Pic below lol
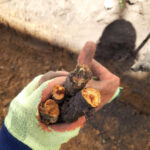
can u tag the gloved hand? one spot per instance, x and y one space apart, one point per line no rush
23 122
106 82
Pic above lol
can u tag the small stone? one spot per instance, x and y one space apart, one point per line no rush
103 141
108 4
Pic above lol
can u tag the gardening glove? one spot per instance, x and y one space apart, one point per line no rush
106 82
23 121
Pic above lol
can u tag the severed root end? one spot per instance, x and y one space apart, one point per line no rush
58 92
49 112
92 96
81 75
77 79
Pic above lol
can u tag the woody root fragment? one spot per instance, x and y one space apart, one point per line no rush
70 101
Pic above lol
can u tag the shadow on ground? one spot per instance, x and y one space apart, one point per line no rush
116 51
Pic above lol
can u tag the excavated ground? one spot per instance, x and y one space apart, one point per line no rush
118 126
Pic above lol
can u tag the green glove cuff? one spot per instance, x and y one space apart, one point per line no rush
21 120
116 94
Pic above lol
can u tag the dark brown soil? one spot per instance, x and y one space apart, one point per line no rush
116 127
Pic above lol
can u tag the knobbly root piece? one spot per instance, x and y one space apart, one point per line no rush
77 79
58 93
82 103
49 112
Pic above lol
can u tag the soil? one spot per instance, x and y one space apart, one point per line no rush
118 126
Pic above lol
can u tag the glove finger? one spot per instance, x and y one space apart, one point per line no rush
100 71
52 74
37 81
87 53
